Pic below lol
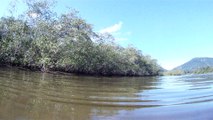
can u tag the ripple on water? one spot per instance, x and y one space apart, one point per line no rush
28 92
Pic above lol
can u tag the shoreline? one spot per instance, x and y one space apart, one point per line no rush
62 72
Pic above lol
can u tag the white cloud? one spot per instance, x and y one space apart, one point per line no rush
33 15
115 31
112 29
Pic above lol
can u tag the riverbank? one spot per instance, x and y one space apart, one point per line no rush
63 72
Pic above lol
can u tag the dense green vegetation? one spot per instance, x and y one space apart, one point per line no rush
204 70
174 72
41 39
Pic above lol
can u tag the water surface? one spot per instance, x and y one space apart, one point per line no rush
26 95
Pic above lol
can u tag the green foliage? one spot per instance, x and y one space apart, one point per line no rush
45 41
174 72
203 70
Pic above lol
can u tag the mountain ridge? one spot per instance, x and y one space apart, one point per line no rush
195 64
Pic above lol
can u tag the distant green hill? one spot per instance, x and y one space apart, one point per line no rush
195 64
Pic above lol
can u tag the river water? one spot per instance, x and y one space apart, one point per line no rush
26 95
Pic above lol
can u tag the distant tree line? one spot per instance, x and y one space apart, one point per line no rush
201 70
204 70
40 39
174 72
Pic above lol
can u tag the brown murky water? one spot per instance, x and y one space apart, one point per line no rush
28 95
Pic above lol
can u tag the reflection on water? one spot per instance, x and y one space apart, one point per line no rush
28 95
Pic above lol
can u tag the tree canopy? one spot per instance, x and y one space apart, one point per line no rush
41 39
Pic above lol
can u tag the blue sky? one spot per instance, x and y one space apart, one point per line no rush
171 31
